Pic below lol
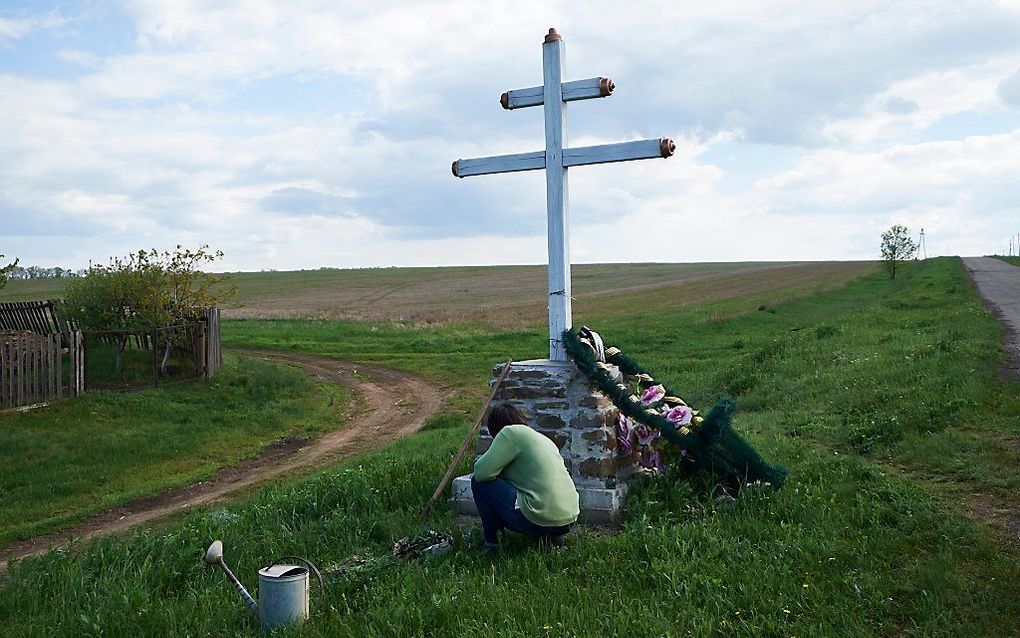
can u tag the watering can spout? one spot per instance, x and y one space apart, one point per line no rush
214 556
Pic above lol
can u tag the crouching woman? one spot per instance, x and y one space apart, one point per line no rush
521 484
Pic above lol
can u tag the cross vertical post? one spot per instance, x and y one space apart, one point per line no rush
556 194
553 96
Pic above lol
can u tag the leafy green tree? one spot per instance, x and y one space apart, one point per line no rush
6 270
146 290
897 246
101 301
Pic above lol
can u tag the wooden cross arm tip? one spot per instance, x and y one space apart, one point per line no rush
499 164
667 147
572 91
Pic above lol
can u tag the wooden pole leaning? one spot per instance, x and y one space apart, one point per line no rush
475 427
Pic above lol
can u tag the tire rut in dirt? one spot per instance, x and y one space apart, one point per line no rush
378 421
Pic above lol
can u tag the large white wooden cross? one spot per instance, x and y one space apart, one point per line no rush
555 159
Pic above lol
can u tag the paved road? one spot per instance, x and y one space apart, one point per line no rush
999 284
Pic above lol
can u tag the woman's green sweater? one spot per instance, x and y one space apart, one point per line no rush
531 463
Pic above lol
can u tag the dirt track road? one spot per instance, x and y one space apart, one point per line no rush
392 405
999 283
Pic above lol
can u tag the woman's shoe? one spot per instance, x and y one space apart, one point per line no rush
553 542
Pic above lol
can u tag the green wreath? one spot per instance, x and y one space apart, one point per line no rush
710 445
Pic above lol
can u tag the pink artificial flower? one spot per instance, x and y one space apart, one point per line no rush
646 435
680 415
652 459
653 394
625 435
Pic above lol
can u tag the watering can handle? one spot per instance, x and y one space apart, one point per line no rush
318 574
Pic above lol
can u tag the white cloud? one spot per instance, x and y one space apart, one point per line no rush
959 190
162 142
1009 90
16 28
924 100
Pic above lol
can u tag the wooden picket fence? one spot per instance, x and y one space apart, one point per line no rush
213 347
42 358
32 367
39 317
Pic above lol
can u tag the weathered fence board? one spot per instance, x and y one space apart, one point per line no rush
31 368
42 357
40 317
213 347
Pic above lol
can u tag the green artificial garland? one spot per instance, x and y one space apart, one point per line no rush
713 445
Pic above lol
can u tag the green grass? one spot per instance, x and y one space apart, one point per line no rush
1013 260
881 397
83 455
896 370
136 367
33 289
842 551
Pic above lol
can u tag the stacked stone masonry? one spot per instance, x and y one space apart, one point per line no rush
580 421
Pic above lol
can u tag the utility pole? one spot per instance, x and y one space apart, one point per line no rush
923 248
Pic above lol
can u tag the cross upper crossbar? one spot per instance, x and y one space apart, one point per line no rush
553 96
572 91
602 154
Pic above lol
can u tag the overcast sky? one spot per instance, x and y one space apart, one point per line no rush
299 135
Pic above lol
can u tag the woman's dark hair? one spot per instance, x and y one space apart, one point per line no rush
503 415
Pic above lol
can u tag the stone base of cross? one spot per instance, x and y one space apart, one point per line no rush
553 96
561 404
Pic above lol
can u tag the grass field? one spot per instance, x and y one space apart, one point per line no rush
1013 260
880 396
81 456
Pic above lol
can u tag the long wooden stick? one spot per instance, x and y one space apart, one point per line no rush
475 427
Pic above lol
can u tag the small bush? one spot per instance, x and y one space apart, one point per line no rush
826 330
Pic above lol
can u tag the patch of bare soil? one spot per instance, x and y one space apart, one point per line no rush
513 297
13 336
377 419
994 510
997 513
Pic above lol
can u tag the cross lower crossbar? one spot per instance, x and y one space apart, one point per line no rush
623 152
572 91
500 164
601 154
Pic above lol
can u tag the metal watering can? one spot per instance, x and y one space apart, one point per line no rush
283 589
